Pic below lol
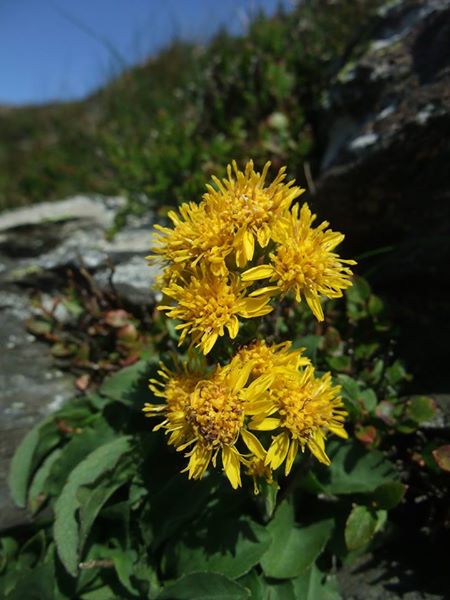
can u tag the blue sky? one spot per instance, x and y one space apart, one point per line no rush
64 49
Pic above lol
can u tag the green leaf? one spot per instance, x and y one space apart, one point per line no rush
354 469
204 586
227 546
74 452
310 343
124 385
38 493
369 400
95 465
360 527
359 292
421 409
39 442
293 549
171 500
389 494
35 584
33 448
315 585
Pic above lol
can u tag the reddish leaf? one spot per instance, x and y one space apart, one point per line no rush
117 318
82 383
367 435
442 457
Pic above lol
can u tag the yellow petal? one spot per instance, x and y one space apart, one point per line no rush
233 327
318 451
232 466
248 245
253 444
314 304
239 376
260 272
198 462
254 307
340 431
264 235
278 450
268 290
293 449
209 342
267 424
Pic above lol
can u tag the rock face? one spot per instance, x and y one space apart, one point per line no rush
37 245
385 128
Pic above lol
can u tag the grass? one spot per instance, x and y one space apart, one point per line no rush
158 130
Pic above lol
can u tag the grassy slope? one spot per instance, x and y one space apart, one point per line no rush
160 129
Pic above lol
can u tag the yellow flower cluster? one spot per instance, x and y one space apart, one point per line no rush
256 412
244 231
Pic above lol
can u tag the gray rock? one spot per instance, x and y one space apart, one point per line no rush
384 181
40 243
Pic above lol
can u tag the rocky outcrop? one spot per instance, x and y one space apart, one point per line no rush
37 246
385 130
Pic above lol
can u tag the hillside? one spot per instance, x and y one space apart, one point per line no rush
156 131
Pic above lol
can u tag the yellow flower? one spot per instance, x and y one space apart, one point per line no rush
224 227
266 358
198 234
304 262
249 208
210 418
208 305
305 409
175 388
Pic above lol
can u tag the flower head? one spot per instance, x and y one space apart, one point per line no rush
249 207
198 235
209 419
267 358
303 262
208 305
305 409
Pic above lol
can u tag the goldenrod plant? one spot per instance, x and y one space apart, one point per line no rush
273 389
244 230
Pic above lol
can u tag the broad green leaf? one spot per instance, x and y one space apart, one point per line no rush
95 465
227 546
293 549
33 448
8 551
279 590
389 494
315 585
74 452
354 469
38 492
360 527
39 442
124 385
255 584
171 500
92 500
204 586
33 551
34 584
